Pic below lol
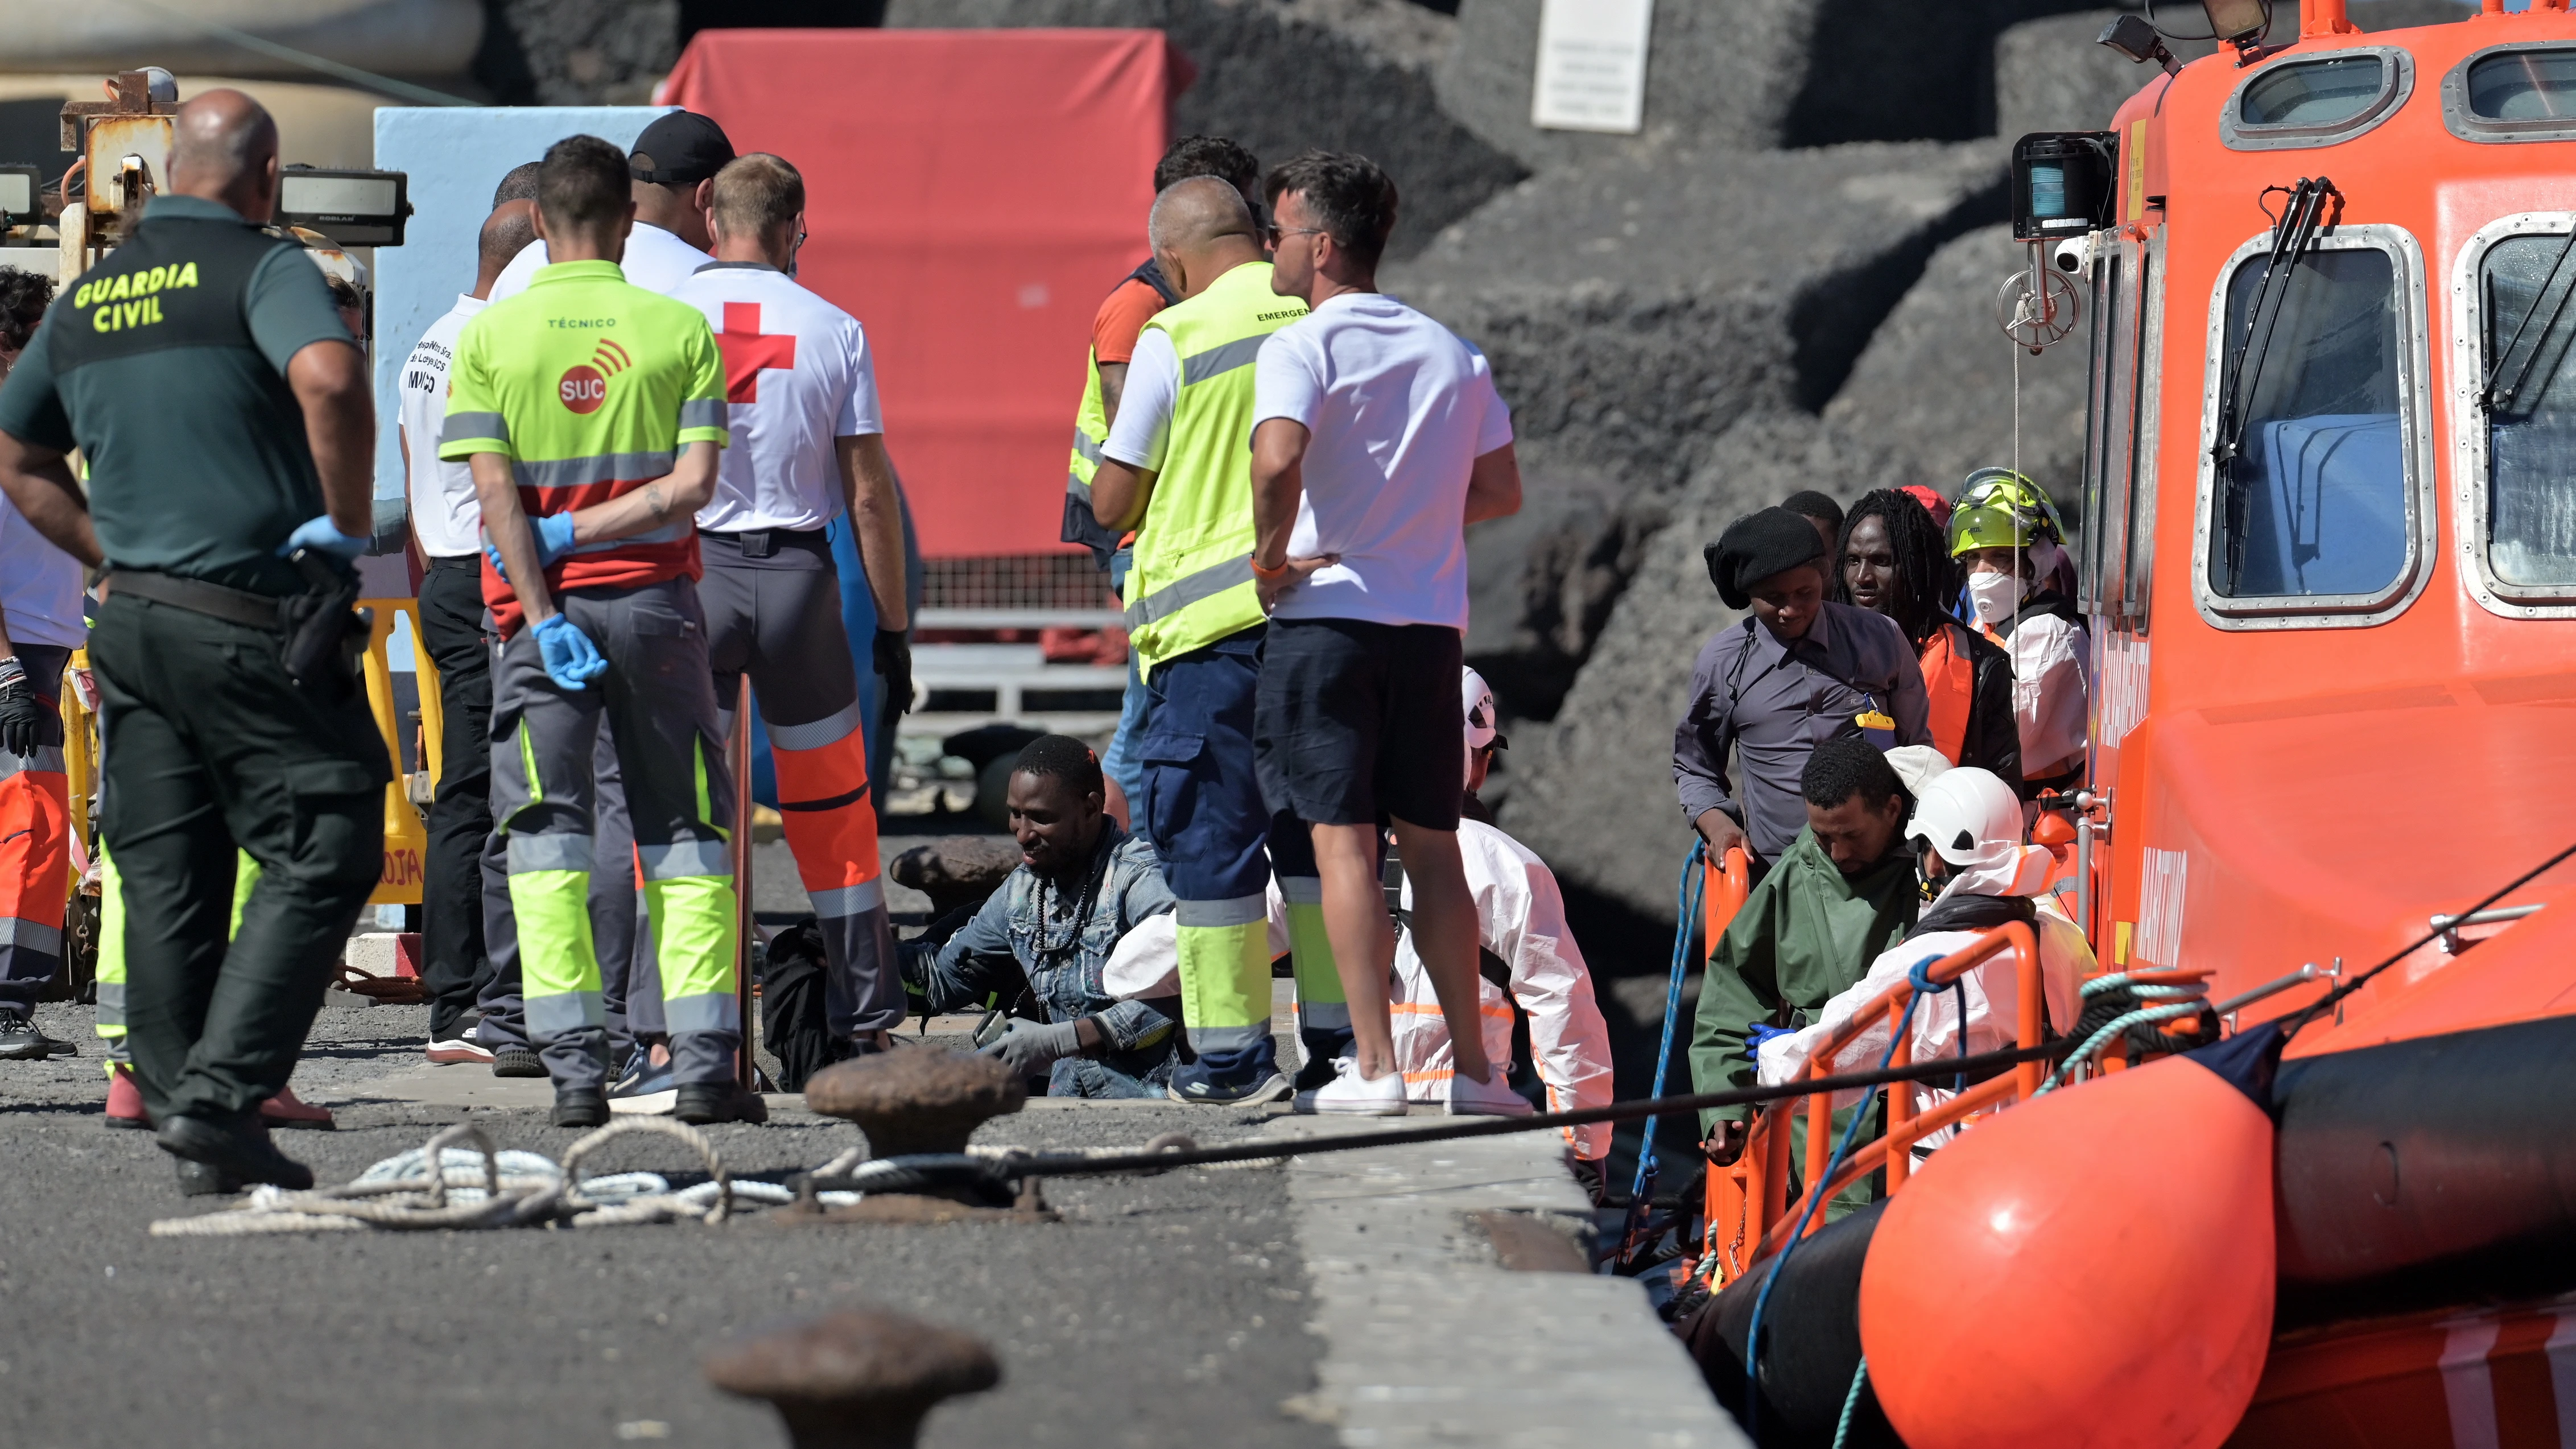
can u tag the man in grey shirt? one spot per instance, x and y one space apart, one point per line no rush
1798 672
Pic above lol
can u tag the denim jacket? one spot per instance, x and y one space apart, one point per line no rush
1026 931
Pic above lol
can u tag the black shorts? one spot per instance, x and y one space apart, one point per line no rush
1358 722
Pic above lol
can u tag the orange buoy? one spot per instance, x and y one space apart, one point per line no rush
2092 1268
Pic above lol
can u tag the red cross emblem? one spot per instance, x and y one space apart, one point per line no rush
746 351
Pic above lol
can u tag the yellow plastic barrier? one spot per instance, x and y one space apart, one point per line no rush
406 826
80 758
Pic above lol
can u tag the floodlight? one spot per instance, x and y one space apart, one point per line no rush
2237 22
353 208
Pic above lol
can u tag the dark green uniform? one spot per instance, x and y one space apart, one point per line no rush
165 365
1805 934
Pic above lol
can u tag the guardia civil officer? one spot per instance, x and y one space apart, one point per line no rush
224 413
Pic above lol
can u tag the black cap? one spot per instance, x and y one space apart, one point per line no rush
1755 547
680 149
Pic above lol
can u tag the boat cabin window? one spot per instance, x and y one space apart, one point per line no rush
2526 323
2316 102
2317 94
2119 501
2523 92
2315 507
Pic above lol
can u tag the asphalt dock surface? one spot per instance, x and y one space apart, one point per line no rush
1163 1310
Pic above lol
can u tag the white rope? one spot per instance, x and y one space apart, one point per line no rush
492 1189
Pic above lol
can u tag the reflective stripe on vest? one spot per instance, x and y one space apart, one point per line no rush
1192 581
1950 679
1090 433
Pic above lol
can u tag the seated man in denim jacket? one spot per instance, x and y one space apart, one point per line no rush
1040 944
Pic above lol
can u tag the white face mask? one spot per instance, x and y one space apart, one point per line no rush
1994 596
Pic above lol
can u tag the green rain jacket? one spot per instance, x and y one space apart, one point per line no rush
1806 932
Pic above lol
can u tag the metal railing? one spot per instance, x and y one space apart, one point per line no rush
1748 1199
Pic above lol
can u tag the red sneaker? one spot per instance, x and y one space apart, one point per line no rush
283 1110
125 1101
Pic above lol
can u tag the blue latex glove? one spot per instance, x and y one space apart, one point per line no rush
325 535
572 661
1756 1033
552 535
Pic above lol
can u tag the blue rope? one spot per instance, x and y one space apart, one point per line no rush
1851 1402
1686 902
1921 980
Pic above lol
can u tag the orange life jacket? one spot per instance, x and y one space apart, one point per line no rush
1950 680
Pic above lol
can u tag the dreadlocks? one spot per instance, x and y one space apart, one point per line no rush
1923 563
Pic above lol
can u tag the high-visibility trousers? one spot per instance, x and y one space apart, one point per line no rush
776 616
110 976
35 843
659 702
1220 846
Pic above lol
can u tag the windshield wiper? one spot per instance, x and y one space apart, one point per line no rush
2500 389
2294 236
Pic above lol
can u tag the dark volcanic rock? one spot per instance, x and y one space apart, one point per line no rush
1280 77
1634 310
1593 792
1936 384
577 52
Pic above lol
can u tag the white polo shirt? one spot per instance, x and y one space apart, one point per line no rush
1398 409
40 585
797 375
445 518
655 260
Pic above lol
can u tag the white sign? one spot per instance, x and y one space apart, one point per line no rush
1592 65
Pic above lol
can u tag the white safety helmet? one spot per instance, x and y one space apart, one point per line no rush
1483 716
1969 817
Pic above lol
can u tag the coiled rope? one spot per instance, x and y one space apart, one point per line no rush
2188 999
514 1189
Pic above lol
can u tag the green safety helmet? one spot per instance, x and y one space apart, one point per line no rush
1999 508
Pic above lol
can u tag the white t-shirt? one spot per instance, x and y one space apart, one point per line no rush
40 585
1399 409
1145 403
445 517
655 260
797 375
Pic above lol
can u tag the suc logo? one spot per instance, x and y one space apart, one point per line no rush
584 387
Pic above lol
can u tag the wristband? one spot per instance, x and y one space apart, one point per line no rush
1268 576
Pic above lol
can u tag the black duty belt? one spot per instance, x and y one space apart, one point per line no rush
766 542
235 606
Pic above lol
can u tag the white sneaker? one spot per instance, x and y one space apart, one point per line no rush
1471 1098
1352 1095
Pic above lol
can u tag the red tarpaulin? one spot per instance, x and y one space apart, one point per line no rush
971 195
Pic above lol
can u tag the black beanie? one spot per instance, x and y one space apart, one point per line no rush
1755 547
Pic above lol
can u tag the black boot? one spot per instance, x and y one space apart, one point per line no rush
19 1039
517 1062
238 1148
581 1107
198 1179
702 1103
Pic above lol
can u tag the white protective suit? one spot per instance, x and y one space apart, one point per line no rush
1993 994
1520 917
